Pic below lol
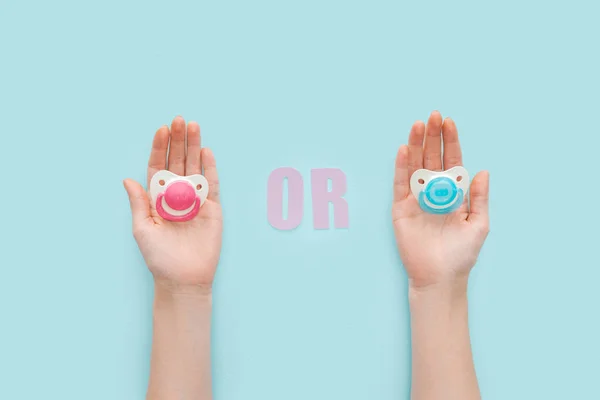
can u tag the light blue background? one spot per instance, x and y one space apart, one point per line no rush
305 314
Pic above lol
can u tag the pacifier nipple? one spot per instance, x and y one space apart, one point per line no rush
441 191
180 195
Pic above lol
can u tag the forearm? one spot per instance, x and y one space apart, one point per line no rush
180 365
442 361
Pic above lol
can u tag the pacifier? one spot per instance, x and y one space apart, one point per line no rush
440 192
178 198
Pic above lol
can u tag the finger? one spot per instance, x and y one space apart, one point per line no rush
415 147
176 158
479 199
192 160
401 176
210 173
432 153
158 154
452 152
463 210
138 201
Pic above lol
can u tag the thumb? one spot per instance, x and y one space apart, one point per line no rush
138 200
480 194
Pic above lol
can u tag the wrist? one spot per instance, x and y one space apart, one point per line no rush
444 290
165 289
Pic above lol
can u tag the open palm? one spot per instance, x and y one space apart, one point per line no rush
437 248
179 253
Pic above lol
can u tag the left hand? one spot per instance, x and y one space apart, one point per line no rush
437 249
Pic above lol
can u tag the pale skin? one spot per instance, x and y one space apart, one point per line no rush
438 253
183 258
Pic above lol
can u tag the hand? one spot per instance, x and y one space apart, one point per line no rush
437 249
179 254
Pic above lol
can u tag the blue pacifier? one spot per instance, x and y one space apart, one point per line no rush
440 192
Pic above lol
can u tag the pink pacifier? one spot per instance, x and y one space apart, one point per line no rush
178 198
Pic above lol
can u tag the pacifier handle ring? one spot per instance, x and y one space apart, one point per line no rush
176 218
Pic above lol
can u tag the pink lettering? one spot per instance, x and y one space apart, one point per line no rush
321 197
275 198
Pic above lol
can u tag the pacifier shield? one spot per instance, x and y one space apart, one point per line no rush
440 192
178 198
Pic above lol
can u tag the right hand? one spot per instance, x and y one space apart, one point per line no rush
180 255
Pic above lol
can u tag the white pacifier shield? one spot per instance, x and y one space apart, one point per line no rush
163 179
422 177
